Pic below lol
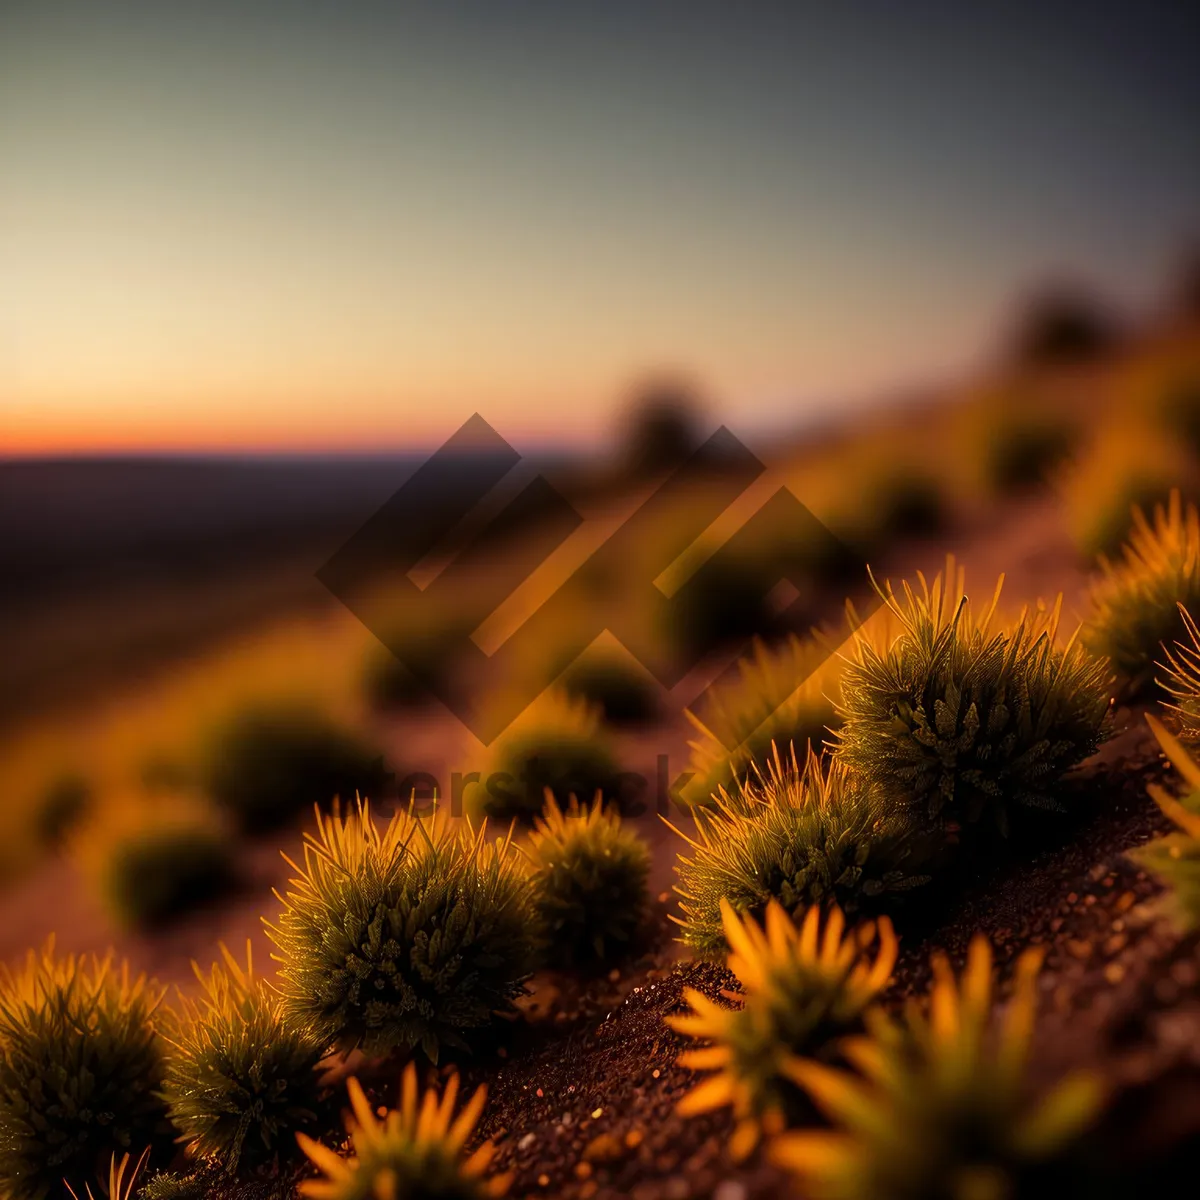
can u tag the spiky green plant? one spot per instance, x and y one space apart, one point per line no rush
415 934
266 763
782 698
80 1063
1136 602
804 988
415 1150
240 1079
959 722
801 835
1175 858
556 743
1181 681
589 880
941 1107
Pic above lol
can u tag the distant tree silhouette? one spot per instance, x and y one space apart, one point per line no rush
1064 324
661 426
1187 291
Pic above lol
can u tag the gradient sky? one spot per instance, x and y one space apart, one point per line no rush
305 225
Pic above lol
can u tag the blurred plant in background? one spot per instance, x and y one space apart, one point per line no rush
556 744
590 881
265 764
152 859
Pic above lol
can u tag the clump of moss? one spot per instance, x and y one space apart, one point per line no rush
414 1150
804 988
267 763
413 935
557 743
61 807
624 692
589 879
798 835
783 698
1136 603
240 1080
1175 858
154 862
959 723
80 1065
941 1104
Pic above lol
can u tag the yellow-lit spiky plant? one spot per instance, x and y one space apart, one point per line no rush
941 1105
558 743
119 1187
589 877
240 1079
801 835
1175 858
1181 680
415 1150
958 720
804 989
1136 602
785 696
781 698
80 1064
415 934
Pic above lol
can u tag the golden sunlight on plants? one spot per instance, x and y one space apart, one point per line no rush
747 719
960 720
803 987
589 877
240 1080
413 935
414 1150
797 834
80 1065
1175 857
937 1103
557 743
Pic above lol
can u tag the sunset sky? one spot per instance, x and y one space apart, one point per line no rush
263 226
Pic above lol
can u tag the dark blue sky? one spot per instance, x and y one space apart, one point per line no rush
327 224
